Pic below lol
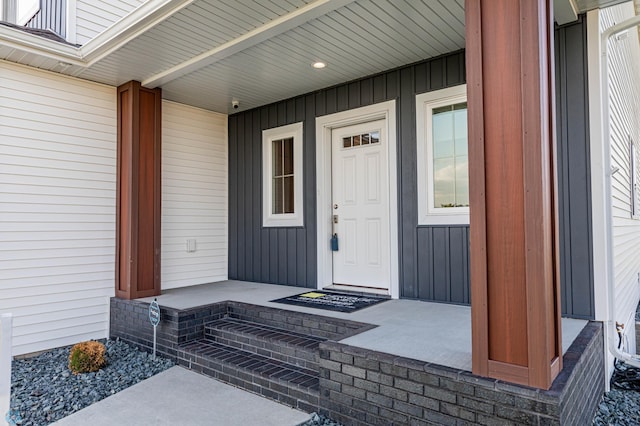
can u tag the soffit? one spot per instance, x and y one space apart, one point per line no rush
587 5
362 38
355 38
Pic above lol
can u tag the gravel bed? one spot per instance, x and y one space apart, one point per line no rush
619 407
43 390
318 420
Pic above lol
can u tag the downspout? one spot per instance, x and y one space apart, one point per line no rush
629 359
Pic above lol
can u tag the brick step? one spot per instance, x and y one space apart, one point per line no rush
286 383
272 342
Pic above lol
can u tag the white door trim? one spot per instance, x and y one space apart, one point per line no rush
324 125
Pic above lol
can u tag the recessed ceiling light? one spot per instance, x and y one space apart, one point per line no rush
319 65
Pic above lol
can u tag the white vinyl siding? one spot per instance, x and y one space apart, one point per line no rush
194 195
57 206
93 17
624 107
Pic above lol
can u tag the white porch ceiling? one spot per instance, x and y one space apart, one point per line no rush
207 52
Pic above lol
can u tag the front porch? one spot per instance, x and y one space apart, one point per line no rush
412 363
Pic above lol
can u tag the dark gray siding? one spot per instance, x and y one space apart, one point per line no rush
52 16
574 190
434 260
288 255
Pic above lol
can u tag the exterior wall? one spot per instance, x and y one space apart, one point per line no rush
434 260
624 110
93 17
574 189
57 209
288 255
194 195
57 206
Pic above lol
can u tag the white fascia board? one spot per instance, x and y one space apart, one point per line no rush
271 29
133 25
29 43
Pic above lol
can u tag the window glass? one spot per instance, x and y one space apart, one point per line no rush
283 177
450 162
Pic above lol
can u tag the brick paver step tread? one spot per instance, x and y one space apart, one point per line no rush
264 332
219 357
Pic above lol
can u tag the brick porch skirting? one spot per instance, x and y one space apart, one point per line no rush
363 387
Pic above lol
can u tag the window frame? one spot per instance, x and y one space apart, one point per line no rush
428 214
270 219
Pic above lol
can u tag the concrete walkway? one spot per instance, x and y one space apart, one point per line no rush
182 397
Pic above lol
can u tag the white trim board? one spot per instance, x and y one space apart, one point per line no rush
324 126
599 200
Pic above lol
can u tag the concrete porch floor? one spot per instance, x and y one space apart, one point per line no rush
431 332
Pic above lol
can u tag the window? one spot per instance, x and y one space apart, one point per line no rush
282 176
633 171
443 162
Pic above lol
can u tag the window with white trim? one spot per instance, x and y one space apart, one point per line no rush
443 161
282 176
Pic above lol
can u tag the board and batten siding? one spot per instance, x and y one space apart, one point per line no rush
93 17
288 255
57 206
434 259
194 195
624 120
574 171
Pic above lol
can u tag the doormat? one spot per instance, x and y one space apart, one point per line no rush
340 302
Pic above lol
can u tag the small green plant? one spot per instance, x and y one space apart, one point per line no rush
86 357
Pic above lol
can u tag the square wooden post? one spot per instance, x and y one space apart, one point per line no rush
514 265
138 191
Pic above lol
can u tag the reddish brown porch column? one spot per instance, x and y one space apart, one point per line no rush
514 277
138 192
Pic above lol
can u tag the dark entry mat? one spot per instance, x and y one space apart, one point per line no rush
341 302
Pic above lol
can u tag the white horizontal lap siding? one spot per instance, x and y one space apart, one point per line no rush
624 107
57 206
194 195
93 17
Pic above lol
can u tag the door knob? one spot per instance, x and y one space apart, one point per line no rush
335 207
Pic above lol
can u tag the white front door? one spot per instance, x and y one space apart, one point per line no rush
360 194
